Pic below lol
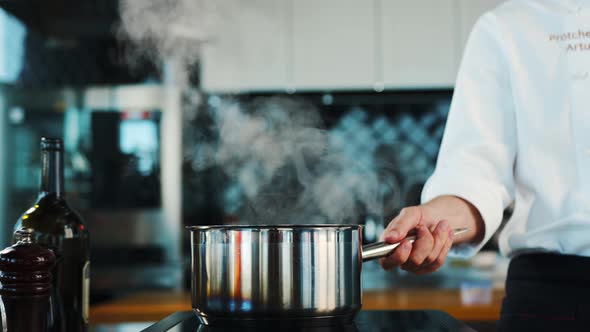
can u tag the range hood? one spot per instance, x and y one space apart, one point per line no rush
66 19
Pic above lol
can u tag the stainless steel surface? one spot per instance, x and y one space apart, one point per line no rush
121 327
382 249
272 271
265 272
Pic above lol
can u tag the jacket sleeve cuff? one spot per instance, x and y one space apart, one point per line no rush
487 201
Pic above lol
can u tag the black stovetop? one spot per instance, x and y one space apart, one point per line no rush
381 321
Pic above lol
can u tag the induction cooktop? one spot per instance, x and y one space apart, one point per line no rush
381 321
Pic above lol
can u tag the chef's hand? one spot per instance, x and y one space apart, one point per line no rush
434 234
433 241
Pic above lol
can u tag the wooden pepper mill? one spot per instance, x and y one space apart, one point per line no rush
25 284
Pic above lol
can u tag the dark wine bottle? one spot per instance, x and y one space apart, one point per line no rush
61 229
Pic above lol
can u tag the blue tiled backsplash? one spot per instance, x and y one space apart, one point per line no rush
399 139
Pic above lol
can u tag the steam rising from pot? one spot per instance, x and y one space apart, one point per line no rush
176 28
284 166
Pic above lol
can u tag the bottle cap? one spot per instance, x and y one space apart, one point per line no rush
51 144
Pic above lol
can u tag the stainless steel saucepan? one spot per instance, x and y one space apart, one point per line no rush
279 272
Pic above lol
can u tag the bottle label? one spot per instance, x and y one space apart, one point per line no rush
68 232
85 290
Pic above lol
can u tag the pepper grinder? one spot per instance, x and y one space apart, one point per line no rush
25 284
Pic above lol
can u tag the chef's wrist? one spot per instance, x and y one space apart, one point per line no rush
461 214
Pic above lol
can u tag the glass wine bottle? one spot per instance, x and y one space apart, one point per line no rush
61 229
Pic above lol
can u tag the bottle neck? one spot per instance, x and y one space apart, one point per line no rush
52 173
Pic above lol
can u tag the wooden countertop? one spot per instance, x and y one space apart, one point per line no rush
153 306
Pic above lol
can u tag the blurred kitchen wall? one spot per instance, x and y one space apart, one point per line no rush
379 73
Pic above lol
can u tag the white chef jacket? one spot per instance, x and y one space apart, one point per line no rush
519 127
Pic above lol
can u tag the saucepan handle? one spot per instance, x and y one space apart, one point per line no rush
383 249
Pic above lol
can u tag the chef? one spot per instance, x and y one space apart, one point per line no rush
518 132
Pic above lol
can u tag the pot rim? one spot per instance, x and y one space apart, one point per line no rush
280 227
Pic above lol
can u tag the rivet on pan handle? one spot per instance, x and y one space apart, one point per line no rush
382 249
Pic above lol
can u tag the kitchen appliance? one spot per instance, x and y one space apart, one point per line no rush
119 176
306 274
365 321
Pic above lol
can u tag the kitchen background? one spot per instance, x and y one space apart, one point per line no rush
170 112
